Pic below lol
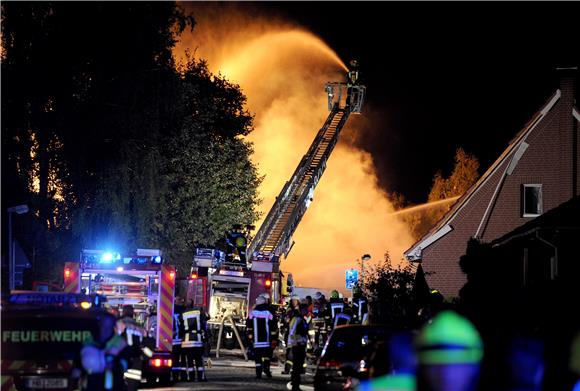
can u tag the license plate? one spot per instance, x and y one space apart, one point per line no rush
46 383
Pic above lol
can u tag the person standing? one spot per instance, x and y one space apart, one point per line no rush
133 333
298 338
192 345
261 327
178 371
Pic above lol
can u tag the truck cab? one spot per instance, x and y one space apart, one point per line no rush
42 335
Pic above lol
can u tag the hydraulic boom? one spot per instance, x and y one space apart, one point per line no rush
274 237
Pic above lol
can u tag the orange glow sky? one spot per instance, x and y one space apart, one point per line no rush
282 70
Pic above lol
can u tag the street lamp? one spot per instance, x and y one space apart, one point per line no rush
364 258
19 209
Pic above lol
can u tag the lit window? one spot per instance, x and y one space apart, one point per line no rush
532 200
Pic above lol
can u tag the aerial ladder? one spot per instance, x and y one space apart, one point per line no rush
274 238
234 286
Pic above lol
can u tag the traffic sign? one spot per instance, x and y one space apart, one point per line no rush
351 278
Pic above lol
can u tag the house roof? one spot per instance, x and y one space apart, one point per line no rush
443 226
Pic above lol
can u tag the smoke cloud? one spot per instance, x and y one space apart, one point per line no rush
282 69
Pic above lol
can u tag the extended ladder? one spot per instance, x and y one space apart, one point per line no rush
274 237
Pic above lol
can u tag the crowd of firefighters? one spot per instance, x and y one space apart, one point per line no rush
301 326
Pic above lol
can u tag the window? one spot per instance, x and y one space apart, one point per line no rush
531 200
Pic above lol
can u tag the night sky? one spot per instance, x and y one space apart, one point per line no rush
443 75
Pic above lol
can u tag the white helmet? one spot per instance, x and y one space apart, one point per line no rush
295 297
317 296
260 300
265 295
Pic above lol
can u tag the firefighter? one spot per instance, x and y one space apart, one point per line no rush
352 76
449 352
333 308
344 317
292 306
298 338
318 323
133 334
178 371
193 342
261 328
100 360
273 332
359 306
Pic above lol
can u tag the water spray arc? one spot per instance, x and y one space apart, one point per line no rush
424 206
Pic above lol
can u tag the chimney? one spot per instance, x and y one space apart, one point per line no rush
568 130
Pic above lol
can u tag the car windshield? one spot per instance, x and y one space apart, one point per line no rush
353 343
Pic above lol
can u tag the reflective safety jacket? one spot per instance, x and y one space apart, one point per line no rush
359 309
261 326
298 334
194 329
335 307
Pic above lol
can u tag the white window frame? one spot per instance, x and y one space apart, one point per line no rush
541 200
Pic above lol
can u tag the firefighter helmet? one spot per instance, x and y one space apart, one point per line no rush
260 300
334 294
449 339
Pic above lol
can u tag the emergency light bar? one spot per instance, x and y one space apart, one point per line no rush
113 260
56 298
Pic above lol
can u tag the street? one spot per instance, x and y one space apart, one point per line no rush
233 373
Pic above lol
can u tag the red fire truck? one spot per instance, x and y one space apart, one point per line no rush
141 280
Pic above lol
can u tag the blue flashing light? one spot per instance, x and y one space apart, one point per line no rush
156 260
107 257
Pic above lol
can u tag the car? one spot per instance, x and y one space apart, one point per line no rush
342 362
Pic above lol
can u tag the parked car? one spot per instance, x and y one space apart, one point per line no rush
342 363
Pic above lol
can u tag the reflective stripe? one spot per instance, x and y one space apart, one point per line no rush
336 306
292 337
131 376
266 315
148 352
341 316
192 335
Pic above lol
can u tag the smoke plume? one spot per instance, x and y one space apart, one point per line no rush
282 69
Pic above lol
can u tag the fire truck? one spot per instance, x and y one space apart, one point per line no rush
141 280
233 282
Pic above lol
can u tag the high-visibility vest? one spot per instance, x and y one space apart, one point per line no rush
360 308
193 329
336 308
261 327
293 337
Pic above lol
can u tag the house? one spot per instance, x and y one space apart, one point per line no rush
538 171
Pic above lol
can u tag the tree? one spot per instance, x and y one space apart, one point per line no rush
390 292
108 142
212 183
